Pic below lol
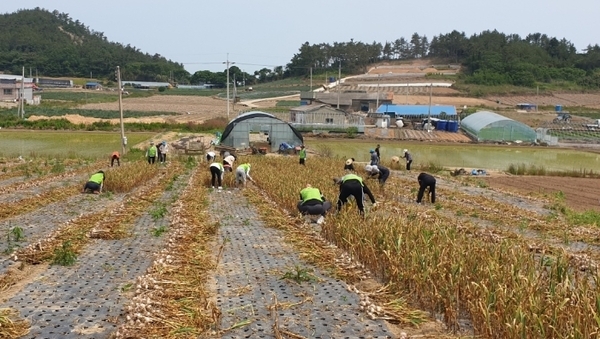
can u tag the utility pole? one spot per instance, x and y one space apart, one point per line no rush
227 65
429 111
378 81
339 82
22 94
123 139
311 79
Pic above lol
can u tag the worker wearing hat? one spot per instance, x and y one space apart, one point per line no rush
151 153
210 156
95 183
242 173
312 202
349 165
408 158
228 162
380 170
353 185
374 158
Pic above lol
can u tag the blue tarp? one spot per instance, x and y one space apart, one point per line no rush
285 146
408 110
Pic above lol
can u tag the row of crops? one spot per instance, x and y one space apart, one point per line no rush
505 271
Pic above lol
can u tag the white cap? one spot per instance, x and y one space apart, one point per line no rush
405 150
368 168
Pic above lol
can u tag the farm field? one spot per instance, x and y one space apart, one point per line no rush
161 255
30 143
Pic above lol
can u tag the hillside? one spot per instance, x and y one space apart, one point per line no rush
53 44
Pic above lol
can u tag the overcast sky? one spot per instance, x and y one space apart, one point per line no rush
267 33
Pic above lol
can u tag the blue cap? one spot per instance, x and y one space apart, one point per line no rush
371 151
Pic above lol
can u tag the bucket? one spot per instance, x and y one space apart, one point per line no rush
452 126
441 125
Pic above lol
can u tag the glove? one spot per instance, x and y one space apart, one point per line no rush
374 204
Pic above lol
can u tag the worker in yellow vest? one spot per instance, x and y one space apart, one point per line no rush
312 202
353 185
95 183
242 173
151 153
302 155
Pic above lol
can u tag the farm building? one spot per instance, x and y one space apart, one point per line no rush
237 132
317 114
10 89
54 83
93 85
145 84
490 126
355 101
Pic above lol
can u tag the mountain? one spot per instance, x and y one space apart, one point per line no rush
53 44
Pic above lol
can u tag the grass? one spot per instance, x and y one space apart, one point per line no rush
64 255
64 144
54 111
532 169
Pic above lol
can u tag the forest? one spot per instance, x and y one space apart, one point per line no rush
55 45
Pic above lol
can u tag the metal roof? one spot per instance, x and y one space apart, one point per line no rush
416 109
146 83
479 120
309 108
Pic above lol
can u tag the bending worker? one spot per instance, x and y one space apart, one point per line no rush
384 173
115 156
349 165
353 185
95 183
216 172
312 202
242 173
228 163
426 180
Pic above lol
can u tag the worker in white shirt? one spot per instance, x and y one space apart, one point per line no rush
210 156
216 172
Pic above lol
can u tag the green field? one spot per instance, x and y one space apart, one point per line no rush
27 143
489 157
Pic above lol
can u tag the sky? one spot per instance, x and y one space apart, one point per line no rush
254 34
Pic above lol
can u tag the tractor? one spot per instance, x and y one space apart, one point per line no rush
562 117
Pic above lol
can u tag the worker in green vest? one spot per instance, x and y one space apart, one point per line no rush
312 202
151 153
242 173
353 185
96 183
302 155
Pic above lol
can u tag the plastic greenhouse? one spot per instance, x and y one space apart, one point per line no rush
490 126
237 132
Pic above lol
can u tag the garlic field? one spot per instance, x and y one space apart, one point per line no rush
153 257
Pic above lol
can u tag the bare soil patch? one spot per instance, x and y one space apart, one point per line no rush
581 194
185 105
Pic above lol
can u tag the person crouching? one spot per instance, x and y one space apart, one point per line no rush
312 202
95 183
